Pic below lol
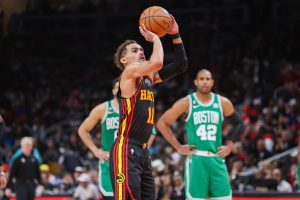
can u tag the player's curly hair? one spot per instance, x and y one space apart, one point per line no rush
121 51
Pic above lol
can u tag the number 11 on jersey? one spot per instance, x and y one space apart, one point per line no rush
150 119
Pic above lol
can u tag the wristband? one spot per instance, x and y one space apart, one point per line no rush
175 36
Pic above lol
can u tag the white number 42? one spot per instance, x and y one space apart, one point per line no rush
207 132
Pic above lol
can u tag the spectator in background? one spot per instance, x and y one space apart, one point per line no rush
237 167
282 185
2 174
86 190
77 172
2 177
69 159
158 168
68 186
166 183
263 179
18 152
178 188
261 151
25 170
48 179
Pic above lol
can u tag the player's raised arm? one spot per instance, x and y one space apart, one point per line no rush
142 66
180 63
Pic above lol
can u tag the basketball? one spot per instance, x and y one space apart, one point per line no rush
157 20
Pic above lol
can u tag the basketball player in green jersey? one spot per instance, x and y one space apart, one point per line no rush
107 114
206 174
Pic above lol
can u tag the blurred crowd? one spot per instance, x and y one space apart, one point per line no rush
50 81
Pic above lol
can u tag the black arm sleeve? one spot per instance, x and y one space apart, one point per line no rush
179 66
238 126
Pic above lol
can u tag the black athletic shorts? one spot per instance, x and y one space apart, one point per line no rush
131 171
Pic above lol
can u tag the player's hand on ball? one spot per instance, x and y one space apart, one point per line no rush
174 26
101 155
186 149
148 35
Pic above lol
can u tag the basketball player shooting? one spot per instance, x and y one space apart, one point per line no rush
130 162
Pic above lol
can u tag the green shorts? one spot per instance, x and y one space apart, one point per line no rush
104 179
206 177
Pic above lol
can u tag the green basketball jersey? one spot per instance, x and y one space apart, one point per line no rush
204 123
109 126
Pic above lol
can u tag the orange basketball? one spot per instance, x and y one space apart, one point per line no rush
157 20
